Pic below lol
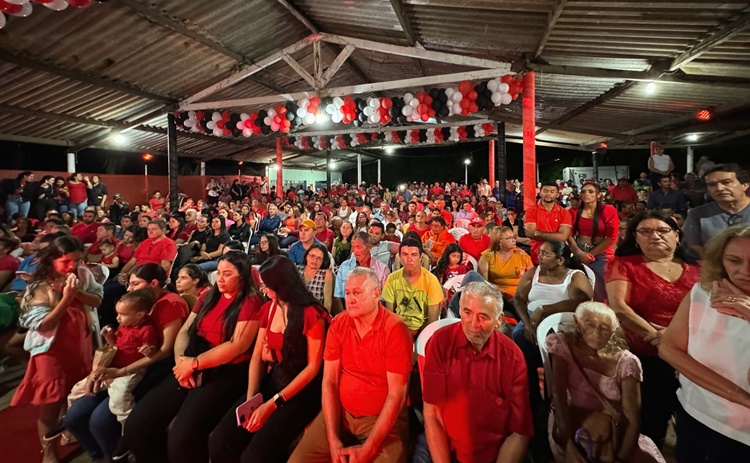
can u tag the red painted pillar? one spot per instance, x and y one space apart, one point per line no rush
279 168
529 141
491 177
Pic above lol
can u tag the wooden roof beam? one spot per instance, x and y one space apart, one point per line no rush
718 36
552 18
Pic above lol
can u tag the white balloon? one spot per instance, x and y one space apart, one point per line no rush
2 20
247 133
449 91
17 2
496 98
303 103
449 103
191 114
189 123
216 116
457 97
506 99
408 97
26 10
375 117
210 125
414 103
309 119
374 103
407 110
244 116
492 85
368 111
218 132
57 5
330 109
268 120
338 102
336 117
503 88
271 113
196 128
301 112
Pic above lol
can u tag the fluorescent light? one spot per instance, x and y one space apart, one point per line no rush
390 150
693 137
467 161
119 138
650 88
331 165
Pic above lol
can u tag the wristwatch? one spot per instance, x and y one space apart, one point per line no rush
279 400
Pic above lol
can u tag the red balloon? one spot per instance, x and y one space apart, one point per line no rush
9 8
465 103
431 112
506 79
427 100
425 117
221 124
465 87
465 112
422 108
474 107
285 129
199 115
80 3
473 95
256 130
227 132
277 119
226 115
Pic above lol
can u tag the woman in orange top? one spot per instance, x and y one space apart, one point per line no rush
290 227
504 263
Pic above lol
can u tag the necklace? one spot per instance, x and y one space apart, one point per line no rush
551 276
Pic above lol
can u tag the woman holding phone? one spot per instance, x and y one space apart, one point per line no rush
285 369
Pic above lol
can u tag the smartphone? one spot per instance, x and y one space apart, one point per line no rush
245 410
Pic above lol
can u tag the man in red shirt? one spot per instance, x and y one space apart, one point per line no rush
436 189
368 358
476 241
322 232
104 232
475 388
157 249
86 230
623 191
547 220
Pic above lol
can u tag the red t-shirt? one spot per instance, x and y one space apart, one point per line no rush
77 192
155 252
94 249
436 191
275 341
326 235
85 233
125 253
107 260
168 308
472 247
419 232
627 194
545 221
9 262
128 339
483 398
387 347
211 327
155 203
607 227
651 296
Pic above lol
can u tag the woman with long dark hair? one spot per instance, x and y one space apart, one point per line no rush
268 246
212 355
594 234
176 230
213 247
285 369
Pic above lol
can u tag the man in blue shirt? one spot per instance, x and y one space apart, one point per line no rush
665 196
306 239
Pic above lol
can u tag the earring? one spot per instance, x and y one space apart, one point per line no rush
637 246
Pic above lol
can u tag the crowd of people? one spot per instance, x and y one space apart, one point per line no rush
251 327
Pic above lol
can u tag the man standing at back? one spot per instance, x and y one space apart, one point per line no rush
368 358
547 220
411 291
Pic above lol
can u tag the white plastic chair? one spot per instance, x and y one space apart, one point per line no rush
469 259
212 277
100 272
458 232
461 223
590 274
553 322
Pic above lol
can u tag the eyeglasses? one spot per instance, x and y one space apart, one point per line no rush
647 232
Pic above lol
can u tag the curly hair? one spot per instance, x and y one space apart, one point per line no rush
712 265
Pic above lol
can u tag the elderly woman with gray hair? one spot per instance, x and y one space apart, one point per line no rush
593 374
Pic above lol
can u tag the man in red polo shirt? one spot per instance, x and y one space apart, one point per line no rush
368 358
475 389
476 241
156 249
623 191
104 232
547 220
86 230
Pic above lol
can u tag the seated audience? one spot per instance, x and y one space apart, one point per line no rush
425 260
503 264
707 343
268 246
192 283
364 382
342 245
476 241
270 223
436 240
213 248
239 230
306 239
317 275
86 229
450 264
361 257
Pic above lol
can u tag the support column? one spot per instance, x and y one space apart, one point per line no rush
279 174
174 167
491 176
203 168
529 140
595 163
690 160
328 170
378 171
71 163
502 160
359 170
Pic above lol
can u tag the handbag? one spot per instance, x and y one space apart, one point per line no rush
598 433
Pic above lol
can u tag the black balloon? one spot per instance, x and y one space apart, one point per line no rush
443 98
434 93
290 116
357 123
422 135
436 104
446 132
470 131
265 130
259 122
444 112
236 132
394 112
262 114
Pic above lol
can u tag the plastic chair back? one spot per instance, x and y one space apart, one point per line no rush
553 322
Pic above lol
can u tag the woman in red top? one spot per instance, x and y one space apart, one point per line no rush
78 194
156 202
646 281
285 369
127 246
420 227
212 356
594 232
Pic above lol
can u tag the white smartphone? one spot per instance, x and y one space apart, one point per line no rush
245 410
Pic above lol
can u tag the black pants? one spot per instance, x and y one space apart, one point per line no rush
230 443
658 397
697 443
113 291
193 414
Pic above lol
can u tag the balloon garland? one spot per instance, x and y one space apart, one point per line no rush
23 8
406 137
464 99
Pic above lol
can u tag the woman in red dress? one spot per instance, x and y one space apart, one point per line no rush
58 337
646 281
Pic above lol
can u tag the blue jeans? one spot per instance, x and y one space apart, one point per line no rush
16 204
91 422
598 267
77 209
209 266
287 241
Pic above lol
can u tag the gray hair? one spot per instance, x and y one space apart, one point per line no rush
596 308
369 274
485 291
364 237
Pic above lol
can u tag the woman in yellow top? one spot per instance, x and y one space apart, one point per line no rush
503 263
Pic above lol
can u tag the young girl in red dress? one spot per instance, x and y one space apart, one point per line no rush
53 310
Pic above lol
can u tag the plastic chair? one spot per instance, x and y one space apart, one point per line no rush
461 223
100 272
590 274
421 344
458 232
212 277
469 259
554 322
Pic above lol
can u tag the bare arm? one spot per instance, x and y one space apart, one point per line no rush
91 300
618 294
169 334
562 234
257 369
433 313
331 402
514 449
328 290
483 267
52 320
243 336
673 349
128 267
390 306
521 298
182 339
563 429
580 290
631 408
315 342
437 437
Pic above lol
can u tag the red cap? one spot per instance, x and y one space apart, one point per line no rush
476 220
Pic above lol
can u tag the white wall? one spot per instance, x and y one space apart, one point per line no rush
302 175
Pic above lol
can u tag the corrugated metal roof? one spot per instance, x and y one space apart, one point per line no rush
118 42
